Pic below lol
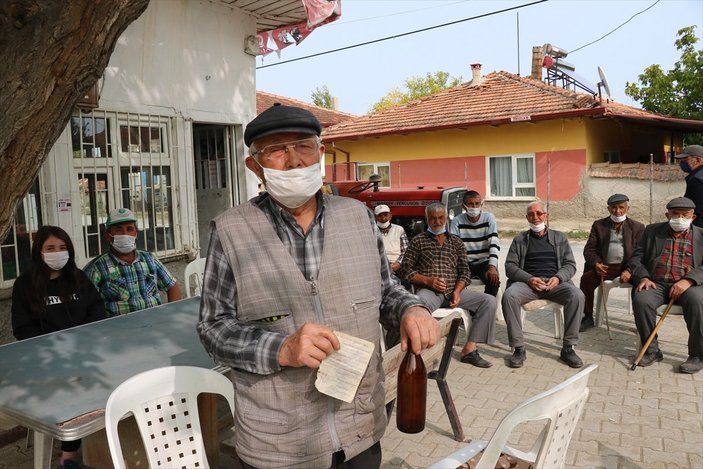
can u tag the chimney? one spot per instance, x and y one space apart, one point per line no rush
537 61
475 75
335 103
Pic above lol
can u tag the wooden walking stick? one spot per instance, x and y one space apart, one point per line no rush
651 336
605 306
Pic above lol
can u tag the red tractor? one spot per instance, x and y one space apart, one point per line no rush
407 205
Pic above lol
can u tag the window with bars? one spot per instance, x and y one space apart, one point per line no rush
16 248
365 170
125 160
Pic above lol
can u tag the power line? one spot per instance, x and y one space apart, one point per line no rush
611 32
404 34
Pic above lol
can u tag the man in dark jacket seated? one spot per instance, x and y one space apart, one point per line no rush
610 245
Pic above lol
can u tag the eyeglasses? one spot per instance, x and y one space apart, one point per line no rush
536 214
306 148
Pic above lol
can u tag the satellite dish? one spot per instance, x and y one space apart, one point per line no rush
603 82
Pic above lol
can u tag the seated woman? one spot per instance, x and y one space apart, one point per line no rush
51 296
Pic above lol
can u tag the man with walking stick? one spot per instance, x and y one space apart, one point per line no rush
667 267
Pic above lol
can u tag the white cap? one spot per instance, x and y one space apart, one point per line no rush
381 209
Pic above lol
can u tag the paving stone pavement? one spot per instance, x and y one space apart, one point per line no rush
648 418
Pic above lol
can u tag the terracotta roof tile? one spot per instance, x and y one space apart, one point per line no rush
327 117
501 98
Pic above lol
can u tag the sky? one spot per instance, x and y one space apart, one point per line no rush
360 76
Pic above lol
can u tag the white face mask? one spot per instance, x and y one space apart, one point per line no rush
294 187
55 260
619 219
472 212
124 244
383 225
680 224
537 228
437 232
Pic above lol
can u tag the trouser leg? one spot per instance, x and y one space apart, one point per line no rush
572 299
483 310
692 303
479 270
431 299
644 305
514 297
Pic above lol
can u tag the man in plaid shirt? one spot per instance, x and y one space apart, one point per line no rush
129 279
435 262
668 265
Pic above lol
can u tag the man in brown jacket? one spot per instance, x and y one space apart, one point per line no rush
609 247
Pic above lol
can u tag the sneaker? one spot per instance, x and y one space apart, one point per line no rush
586 323
569 357
473 358
69 464
651 357
517 359
692 365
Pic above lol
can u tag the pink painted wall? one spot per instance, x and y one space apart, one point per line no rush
567 169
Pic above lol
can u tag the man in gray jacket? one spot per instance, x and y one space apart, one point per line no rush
540 264
287 272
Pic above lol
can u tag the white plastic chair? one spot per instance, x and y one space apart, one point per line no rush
196 267
605 291
165 405
555 308
477 285
562 406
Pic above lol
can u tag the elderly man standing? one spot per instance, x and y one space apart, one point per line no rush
668 266
610 245
127 278
286 272
691 162
435 262
395 241
479 232
540 264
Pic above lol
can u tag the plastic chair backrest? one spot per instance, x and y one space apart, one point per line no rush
562 405
165 405
196 267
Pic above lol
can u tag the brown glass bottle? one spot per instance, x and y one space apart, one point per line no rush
412 394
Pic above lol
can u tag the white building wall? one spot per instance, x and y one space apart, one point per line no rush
182 59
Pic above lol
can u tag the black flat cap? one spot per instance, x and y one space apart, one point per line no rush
691 150
681 203
618 199
278 119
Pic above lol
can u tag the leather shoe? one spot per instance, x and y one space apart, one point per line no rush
692 365
586 323
569 357
473 358
651 357
518 357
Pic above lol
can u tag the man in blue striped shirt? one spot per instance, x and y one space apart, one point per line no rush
479 232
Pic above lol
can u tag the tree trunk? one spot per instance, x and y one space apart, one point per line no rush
51 53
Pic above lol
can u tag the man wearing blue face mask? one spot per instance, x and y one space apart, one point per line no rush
127 278
668 265
286 272
610 245
435 262
691 162
540 265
